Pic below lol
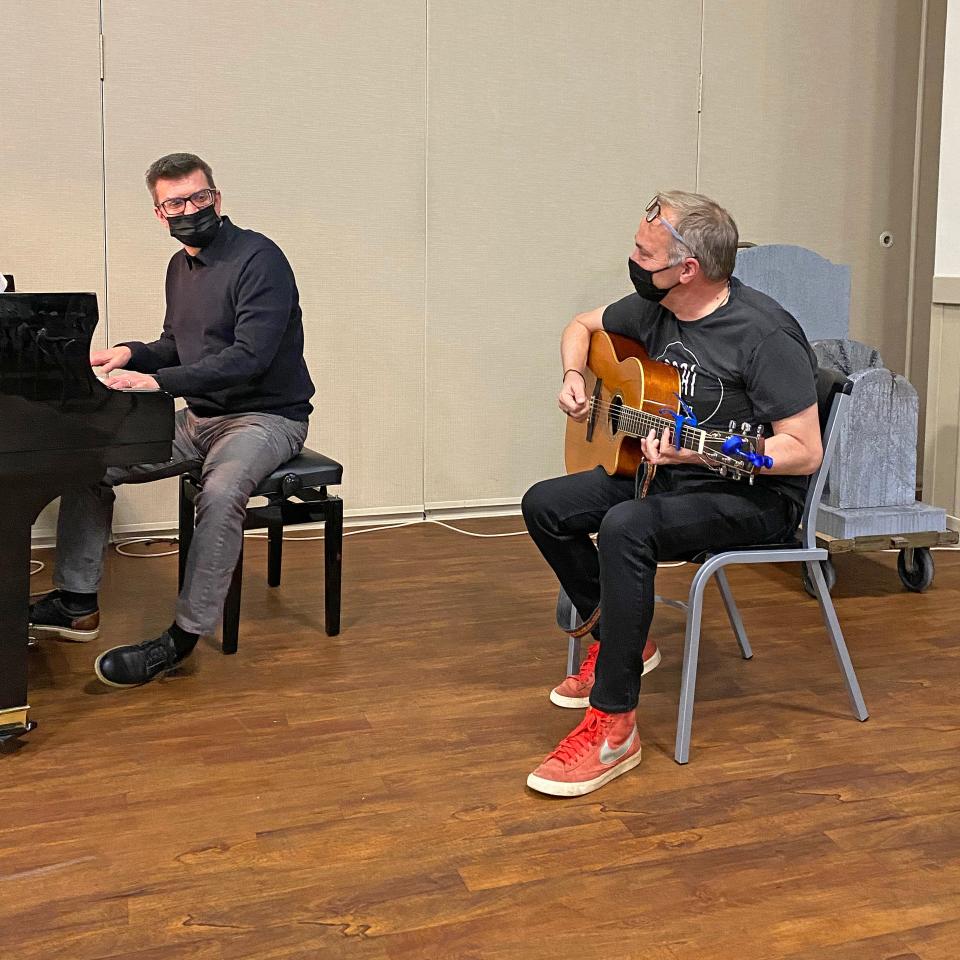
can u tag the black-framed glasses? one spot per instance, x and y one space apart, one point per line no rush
174 206
653 213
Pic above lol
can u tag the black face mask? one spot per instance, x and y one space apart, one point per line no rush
643 282
195 229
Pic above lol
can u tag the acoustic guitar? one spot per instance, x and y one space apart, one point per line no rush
630 395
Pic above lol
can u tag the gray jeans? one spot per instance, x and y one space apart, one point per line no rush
236 453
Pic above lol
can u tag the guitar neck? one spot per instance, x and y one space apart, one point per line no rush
639 423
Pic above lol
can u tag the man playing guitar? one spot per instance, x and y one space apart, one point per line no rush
742 359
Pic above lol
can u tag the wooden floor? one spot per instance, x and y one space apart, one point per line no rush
364 797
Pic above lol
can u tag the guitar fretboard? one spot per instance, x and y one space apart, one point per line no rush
639 423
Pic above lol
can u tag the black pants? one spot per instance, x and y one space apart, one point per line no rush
685 512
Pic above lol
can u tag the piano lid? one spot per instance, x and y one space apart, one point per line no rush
45 345
54 413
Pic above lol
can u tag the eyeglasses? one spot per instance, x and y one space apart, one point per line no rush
653 213
173 206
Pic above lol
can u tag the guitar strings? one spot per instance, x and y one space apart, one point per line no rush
635 416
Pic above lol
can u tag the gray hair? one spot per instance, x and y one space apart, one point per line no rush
710 231
176 166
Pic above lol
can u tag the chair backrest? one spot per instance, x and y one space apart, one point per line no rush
833 394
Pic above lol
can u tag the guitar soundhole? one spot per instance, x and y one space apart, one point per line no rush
616 411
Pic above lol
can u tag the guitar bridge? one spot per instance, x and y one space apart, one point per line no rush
594 406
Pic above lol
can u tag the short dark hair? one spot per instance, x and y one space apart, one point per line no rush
711 231
176 166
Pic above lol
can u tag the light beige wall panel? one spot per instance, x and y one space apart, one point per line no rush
550 125
51 188
808 131
312 116
927 175
941 475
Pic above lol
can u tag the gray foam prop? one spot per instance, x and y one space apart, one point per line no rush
845 524
875 462
814 290
872 483
847 356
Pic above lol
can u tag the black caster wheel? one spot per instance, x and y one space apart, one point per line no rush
916 572
829 574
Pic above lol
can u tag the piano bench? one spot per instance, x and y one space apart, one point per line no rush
296 493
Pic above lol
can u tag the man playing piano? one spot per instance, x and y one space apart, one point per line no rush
232 346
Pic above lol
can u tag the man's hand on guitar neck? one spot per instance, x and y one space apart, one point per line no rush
663 452
573 395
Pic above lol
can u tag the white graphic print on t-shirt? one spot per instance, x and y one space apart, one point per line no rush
690 369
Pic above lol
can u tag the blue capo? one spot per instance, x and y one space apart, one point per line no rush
732 448
680 420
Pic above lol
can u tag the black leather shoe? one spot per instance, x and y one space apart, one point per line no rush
49 617
134 664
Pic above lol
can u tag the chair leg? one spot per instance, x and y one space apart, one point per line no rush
733 614
688 680
186 521
836 638
274 552
573 644
333 563
231 609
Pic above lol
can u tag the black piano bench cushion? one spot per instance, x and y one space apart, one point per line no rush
310 468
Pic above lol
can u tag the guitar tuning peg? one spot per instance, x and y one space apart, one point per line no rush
732 426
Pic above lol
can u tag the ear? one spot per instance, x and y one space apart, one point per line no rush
690 270
158 213
216 203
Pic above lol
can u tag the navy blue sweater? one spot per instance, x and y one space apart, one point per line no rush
232 338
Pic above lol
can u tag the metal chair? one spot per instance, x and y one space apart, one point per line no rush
306 478
833 391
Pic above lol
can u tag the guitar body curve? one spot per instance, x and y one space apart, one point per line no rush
619 373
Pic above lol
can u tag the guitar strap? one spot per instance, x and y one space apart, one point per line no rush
645 474
586 626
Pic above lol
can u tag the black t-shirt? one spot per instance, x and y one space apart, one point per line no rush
747 362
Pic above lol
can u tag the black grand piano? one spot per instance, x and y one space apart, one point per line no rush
58 426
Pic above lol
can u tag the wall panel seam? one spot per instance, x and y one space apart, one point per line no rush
696 186
426 248
915 191
105 306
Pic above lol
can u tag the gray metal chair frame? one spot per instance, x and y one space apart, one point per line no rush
713 566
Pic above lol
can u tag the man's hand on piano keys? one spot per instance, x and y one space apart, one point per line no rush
110 359
130 380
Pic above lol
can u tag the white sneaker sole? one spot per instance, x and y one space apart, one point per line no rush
584 702
558 788
62 633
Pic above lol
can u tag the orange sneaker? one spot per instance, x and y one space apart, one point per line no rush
575 690
602 747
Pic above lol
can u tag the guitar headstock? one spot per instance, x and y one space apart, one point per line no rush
738 453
